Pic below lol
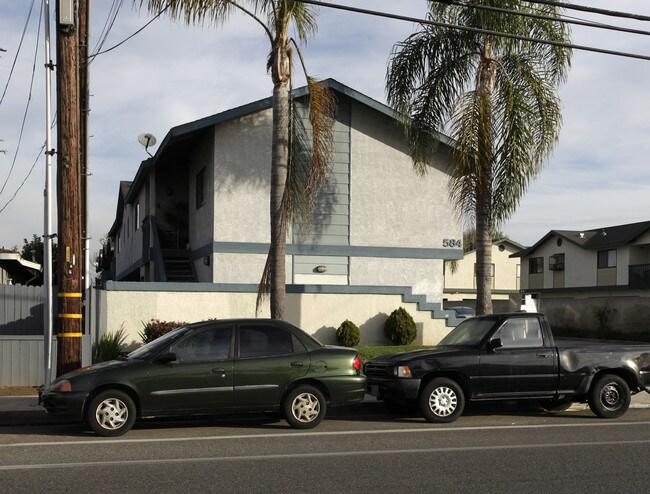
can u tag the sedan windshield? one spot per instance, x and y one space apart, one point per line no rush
152 347
468 332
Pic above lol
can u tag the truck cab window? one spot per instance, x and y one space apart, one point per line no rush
521 332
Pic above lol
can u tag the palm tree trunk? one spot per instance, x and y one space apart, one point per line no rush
280 73
279 166
483 253
484 218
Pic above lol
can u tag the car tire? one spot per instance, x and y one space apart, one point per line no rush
442 401
610 396
304 407
111 413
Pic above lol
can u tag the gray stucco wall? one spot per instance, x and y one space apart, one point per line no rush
392 206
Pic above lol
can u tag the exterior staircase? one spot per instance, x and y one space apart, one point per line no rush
178 266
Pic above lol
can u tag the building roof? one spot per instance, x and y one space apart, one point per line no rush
125 187
609 237
21 270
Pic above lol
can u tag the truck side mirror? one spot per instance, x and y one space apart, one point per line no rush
494 343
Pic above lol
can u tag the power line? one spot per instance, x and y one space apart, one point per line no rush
92 57
22 38
29 99
591 10
476 30
24 180
108 24
563 19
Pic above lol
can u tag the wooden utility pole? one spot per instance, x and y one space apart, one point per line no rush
69 313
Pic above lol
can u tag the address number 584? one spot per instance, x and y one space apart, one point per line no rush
452 242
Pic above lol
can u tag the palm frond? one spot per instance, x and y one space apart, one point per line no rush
196 12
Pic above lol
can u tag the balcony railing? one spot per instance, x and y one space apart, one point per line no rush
639 276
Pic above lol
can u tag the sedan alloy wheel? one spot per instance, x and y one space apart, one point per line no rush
304 407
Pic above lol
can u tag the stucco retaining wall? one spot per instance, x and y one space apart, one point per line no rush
318 314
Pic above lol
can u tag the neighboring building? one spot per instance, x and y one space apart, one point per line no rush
14 270
198 211
460 281
571 274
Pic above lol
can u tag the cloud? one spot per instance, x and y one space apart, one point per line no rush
171 74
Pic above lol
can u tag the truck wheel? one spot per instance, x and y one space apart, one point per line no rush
442 401
609 397
111 413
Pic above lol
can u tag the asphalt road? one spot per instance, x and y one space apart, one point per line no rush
508 450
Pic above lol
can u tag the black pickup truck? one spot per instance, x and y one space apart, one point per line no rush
511 357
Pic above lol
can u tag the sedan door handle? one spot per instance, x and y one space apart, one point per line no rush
542 355
297 363
219 371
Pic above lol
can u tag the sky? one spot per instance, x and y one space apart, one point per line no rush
170 74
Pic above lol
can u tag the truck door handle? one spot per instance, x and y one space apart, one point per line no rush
297 363
542 355
219 371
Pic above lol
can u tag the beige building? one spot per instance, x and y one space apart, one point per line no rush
460 283
574 275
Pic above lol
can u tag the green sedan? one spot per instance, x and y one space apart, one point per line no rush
213 367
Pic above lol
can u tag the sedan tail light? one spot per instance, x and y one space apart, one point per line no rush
356 363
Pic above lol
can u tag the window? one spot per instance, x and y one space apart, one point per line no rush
606 258
265 341
536 265
492 270
520 332
556 262
200 188
137 216
204 345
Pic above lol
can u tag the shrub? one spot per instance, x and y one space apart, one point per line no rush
109 346
399 328
156 328
348 334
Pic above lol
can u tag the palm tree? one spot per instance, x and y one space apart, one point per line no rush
495 95
292 190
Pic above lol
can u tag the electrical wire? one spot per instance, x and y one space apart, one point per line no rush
476 30
108 24
591 10
22 127
40 153
22 38
563 19
92 57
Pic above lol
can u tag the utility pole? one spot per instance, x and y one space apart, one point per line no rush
69 314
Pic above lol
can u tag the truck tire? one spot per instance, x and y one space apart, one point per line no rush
609 397
442 401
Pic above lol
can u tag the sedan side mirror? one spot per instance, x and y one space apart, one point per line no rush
494 343
166 358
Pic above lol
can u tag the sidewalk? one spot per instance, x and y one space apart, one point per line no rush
25 410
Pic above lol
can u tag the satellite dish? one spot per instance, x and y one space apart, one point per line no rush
147 140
